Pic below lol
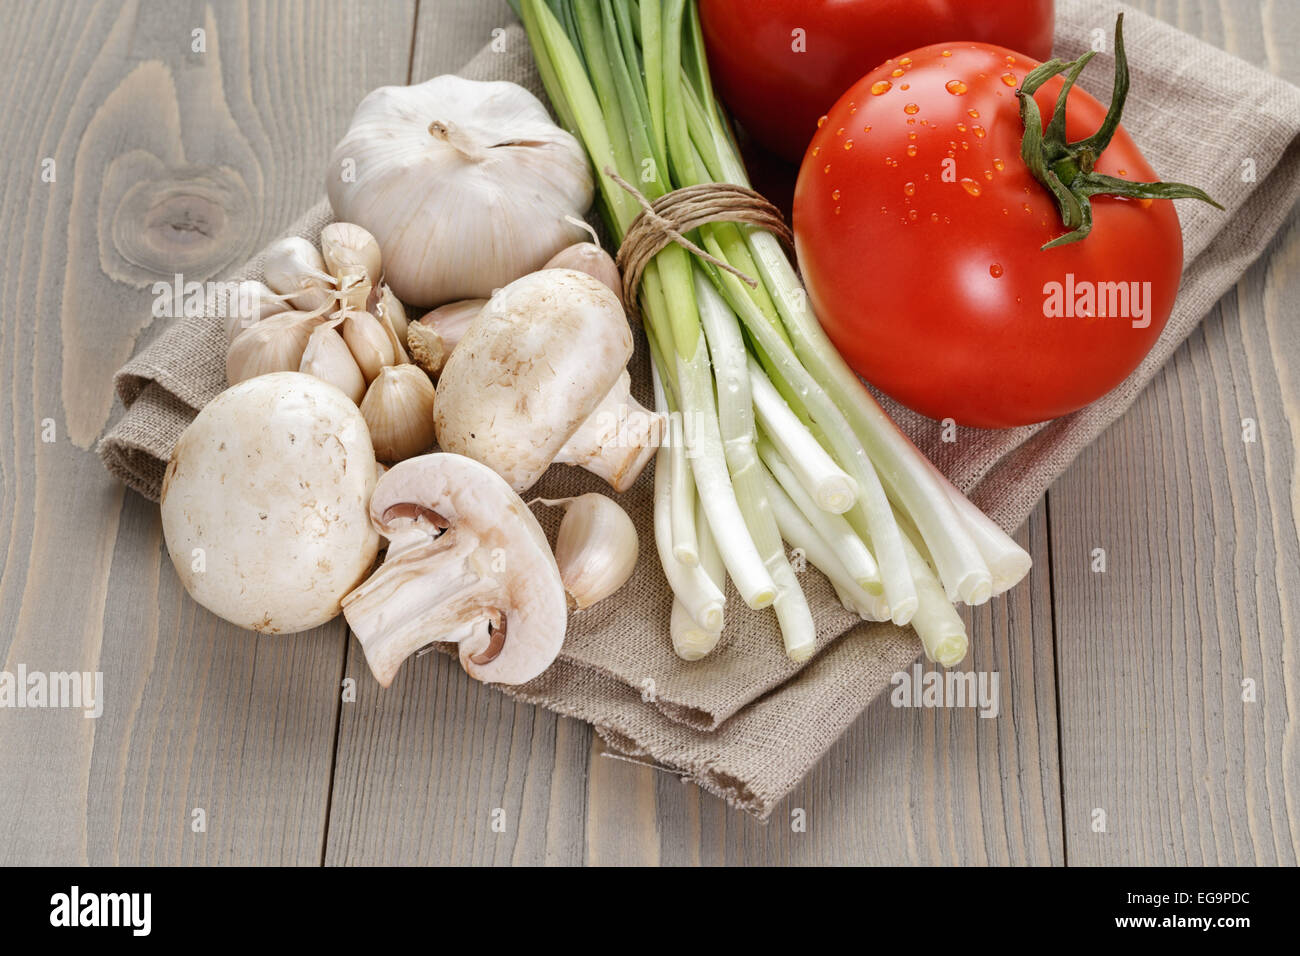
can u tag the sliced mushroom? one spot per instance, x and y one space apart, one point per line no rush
467 563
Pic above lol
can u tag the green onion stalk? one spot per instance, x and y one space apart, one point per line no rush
772 439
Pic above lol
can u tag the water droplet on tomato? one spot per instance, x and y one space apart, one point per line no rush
1025 207
848 144
1009 79
905 61
835 194
961 127
821 122
912 135
840 131
995 271
912 215
906 86
881 86
909 189
978 130
1123 172
1011 60
896 73
971 186
826 168
946 53
852 110
888 161
973 114
934 217
999 165
866 129
955 87
837 210
911 149
911 109
816 150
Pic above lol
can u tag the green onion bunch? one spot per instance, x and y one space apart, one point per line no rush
772 437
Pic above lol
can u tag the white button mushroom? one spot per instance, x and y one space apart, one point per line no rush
264 503
467 563
540 376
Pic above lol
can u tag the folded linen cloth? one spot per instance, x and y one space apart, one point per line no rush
746 723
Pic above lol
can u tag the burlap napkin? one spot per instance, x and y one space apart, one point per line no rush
746 723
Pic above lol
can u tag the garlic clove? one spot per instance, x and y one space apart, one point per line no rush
384 304
348 249
353 291
275 344
399 350
398 409
294 267
590 258
252 302
594 261
328 358
432 338
596 549
368 342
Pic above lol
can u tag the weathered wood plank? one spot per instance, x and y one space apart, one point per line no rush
173 151
1202 569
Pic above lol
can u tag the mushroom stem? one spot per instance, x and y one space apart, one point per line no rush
617 439
427 590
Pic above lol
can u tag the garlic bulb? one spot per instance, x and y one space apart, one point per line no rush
329 359
398 409
596 549
252 302
465 185
294 267
368 341
275 344
433 337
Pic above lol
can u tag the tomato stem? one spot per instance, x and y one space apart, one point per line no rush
1066 168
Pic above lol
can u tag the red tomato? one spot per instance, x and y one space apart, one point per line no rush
777 80
918 229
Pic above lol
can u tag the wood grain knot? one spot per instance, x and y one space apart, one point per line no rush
193 220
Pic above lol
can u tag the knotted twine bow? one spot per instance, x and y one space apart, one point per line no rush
666 219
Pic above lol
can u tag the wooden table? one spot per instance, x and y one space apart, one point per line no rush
1122 691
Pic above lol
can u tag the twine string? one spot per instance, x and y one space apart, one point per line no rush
665 221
